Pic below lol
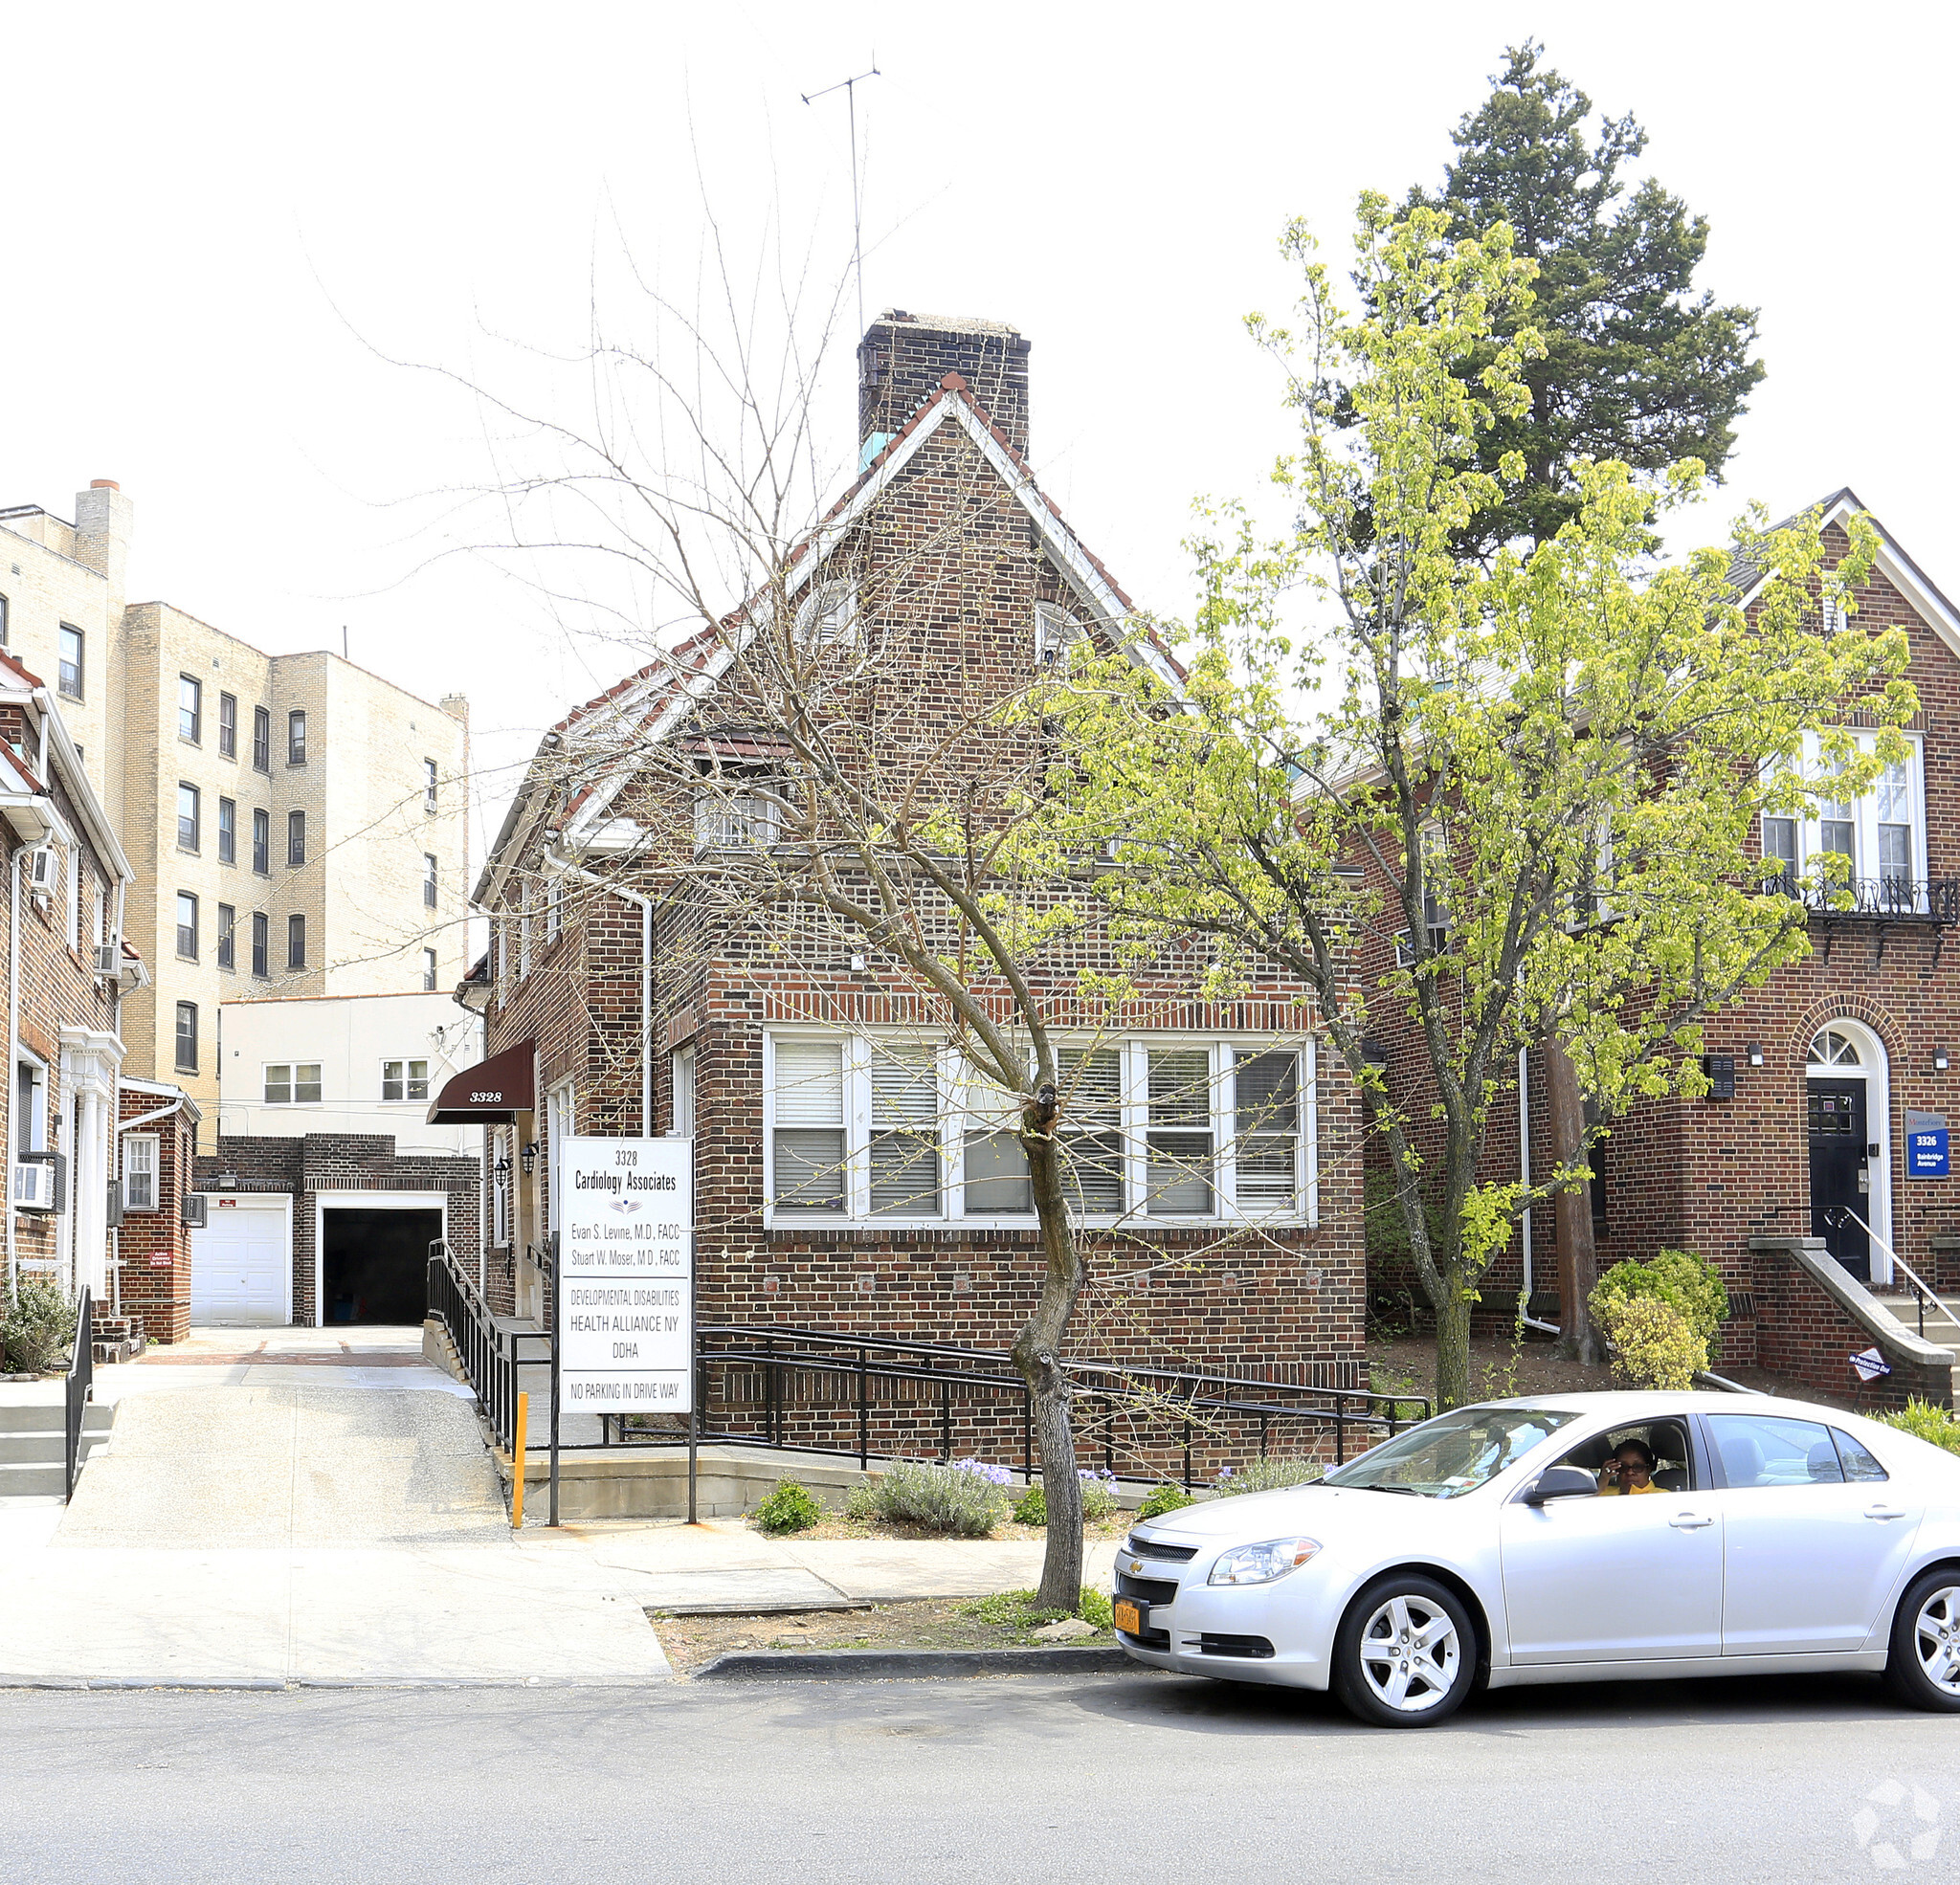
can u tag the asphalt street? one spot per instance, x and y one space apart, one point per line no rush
1115 1778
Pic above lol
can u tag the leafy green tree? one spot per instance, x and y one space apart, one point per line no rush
1633 366
1538 778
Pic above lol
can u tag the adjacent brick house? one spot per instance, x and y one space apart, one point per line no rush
157 1144
1827 1061
620 998
66 982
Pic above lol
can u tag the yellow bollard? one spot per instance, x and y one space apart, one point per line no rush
516 1482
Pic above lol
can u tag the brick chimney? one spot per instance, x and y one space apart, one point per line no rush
104 520
904 357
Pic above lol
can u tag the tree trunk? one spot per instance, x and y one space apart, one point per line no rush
1452 1343
1038 1355
1578 1262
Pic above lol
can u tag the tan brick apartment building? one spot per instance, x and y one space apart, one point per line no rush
296 824
619 999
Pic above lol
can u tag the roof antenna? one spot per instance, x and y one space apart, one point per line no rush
849 88
344 643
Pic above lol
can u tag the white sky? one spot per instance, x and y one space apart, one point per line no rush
218 216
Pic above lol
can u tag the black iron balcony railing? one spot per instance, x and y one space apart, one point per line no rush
1880 899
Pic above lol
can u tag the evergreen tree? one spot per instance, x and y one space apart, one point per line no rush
1636 367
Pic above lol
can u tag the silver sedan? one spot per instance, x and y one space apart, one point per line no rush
1569 1537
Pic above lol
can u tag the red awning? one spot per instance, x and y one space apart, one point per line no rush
492 1093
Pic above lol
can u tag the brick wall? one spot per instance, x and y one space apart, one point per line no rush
154 1246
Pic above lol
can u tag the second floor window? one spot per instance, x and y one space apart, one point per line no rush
296 739
228 925
261 843
1881 836
228 725
428 879
189 818
404 1079
228 831
429 968
140 1171
261 739
428 781
190 709
261 944
295 942
70 674
292 1083
186 925
187 1037
296 839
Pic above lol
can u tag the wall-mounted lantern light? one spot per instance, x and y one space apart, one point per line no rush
529 1155
1755 1054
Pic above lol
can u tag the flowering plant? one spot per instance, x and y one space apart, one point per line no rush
995 1476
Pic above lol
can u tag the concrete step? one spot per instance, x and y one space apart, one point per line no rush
18 1448
52 1416
32 1479
33 1446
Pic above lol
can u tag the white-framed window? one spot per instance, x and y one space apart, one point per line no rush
726 818
895 1128
404 1080
554 909
827 617
29 1105
1056 631
1436 911
1882 834
140 1170
73 873
292 1083
681 1070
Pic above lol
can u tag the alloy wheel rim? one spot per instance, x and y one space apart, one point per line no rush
1936 1637
1410 1654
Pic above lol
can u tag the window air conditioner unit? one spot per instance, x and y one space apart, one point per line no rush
41 868
37 1181
192 1210
109 958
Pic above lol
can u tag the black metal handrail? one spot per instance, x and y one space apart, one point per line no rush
1151 1395
80 1385
490 1356
1883 898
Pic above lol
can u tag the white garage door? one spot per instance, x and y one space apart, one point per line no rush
241 1263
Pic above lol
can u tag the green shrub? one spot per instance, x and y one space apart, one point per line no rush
1094 1608
1926 1420
37 1329
1017 1608
1680 1279
862 1502
1099 1497
1160 1500
1654 1344
1266 1476
1031 1507
943 1498
791 1508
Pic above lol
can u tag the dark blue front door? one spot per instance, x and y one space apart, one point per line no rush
1841 1177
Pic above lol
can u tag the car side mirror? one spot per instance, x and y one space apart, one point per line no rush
1561 1482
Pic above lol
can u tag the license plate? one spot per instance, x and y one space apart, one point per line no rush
1130 1616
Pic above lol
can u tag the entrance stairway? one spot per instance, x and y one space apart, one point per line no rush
1941 1329
33 1446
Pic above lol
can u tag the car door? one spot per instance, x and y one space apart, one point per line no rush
1814 1535
1613 1579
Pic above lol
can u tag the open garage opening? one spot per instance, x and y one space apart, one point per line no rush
374 1264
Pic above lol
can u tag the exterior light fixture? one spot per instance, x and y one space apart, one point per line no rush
529 1155
1939 1060
1373 1053
1755 1054
227 1181
501 1168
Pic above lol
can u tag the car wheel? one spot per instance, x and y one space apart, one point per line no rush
1924 1668
1406 1653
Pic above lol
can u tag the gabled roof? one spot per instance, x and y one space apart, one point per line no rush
656 698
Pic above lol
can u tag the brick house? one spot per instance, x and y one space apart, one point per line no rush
620 999
67 978
156 1132
1815 1076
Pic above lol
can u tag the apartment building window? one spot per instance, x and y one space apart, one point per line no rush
296 839
187 1037
428 783
293 1084
190 709
186 925
189 816
3 621
261 944
227 924
69 673
261 843
429 968
429 879
228 831
228 726
74 868
261 739
295 942
296 739
140 1171
875 1128
404 1080
29 1106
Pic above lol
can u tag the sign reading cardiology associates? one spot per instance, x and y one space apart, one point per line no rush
626 1275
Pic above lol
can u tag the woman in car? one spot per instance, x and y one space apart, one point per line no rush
1631 1470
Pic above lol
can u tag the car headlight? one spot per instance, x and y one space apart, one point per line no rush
1261 1563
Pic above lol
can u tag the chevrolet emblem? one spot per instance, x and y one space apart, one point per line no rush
1136 1564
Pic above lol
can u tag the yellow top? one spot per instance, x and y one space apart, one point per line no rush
1649 1487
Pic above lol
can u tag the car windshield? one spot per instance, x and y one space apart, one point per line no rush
1453 1453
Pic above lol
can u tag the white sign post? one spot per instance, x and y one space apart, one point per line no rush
625 1283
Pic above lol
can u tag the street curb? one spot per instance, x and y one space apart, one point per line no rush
878 1665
